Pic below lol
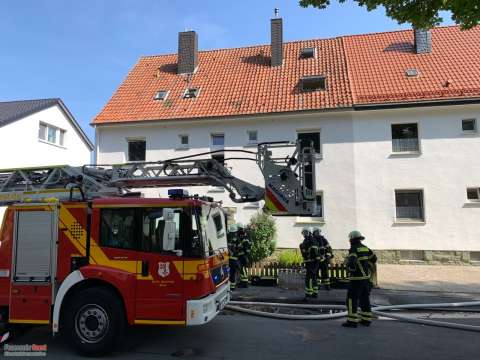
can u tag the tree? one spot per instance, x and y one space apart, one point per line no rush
422 14
263 232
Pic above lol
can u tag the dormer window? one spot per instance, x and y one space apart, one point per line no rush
161 95
307 53
191 93
313 83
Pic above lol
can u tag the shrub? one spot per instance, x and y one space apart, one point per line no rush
290 257
263 232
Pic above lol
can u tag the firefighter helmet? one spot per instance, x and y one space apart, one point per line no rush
355 235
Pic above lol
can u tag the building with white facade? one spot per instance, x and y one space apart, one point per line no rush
393 116
41 132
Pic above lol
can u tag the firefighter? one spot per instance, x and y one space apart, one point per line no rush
359 262
326 254
311 258
244 247
233 264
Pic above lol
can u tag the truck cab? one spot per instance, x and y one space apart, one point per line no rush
88 269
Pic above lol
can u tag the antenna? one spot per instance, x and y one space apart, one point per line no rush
276 10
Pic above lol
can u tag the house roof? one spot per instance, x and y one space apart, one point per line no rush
360 69
11 111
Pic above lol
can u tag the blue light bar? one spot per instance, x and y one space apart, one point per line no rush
177 193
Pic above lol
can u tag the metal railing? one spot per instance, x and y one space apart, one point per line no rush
405 145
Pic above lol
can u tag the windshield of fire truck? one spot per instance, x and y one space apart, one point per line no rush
213 226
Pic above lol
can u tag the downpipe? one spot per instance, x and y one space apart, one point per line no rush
378 310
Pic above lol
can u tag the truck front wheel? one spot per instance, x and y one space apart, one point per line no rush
94 321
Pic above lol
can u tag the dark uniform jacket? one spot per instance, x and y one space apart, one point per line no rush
325 249
310 249
360 261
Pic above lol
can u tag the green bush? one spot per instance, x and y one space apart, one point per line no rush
290 257
263 231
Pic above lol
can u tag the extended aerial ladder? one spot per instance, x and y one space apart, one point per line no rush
285 191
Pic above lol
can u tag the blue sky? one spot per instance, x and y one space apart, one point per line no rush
81 51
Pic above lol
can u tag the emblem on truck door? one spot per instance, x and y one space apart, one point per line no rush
163 269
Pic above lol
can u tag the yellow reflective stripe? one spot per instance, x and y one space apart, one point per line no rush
362 249
28 321
363 258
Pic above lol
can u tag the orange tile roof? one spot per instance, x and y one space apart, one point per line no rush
361 69
377 64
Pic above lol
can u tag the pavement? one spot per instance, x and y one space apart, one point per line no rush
238 336
439 278
247 337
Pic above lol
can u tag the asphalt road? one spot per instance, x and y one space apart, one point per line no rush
246 337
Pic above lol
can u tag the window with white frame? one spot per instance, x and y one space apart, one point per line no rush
469 125
409 205
252 137
405 138
184 141
473 194
218 141
137 150
51 134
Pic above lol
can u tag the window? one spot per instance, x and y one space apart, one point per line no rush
218 141
153 225
217 219
473 194
184 141
136 150
469 125
51 134
143 229
117 228
411 72
309 139
313 83
409 205
191 93
42 132
161 95
405 138
252 136
307 53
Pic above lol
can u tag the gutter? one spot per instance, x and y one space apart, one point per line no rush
418 103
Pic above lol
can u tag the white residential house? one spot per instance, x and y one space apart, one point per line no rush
41 132
393 116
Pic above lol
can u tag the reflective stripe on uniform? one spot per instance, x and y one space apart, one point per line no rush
363 249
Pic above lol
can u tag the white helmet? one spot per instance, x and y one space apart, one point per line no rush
307 230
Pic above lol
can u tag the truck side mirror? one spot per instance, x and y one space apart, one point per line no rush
169 232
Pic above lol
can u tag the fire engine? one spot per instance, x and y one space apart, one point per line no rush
84 253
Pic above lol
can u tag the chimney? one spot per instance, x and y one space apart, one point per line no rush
187 52
423 41
277 40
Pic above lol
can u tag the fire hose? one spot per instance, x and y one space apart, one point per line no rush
378 310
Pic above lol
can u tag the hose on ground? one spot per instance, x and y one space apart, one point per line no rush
379 310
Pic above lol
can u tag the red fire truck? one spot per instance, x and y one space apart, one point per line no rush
84 253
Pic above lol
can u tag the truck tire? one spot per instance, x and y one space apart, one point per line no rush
94 321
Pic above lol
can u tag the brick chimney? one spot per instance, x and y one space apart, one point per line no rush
277 42
187 52
422 41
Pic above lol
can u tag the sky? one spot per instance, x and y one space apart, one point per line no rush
81 51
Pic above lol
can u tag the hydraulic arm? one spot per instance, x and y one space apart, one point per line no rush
285 192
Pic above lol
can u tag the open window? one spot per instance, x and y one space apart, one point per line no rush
405 138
